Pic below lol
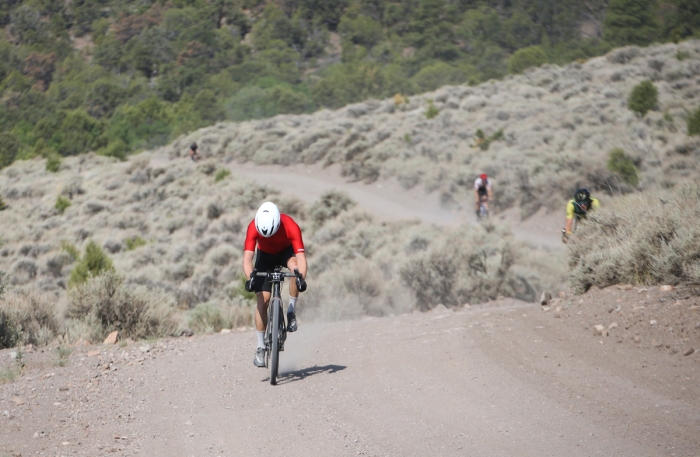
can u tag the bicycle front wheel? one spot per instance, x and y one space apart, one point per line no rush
275 307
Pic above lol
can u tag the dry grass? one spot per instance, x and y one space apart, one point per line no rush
640 239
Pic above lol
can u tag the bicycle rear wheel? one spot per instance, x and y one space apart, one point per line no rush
275 306
483 212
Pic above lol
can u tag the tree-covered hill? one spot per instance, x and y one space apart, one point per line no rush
121 75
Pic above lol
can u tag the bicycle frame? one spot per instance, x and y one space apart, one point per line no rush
276 330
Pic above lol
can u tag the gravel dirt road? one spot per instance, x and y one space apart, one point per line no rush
388 200
502 379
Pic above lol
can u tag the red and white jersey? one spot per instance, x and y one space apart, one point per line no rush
478 184
289 233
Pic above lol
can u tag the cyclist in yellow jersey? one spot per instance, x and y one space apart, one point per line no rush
578 208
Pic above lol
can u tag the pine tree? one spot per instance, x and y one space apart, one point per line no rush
630 22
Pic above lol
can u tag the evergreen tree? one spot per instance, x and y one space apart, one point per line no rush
630 22
683 20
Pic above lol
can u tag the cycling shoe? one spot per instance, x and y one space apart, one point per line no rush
291 321
259 360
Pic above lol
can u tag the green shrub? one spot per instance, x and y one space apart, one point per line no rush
438 74
63 352
522 59
105 304
93 262
682 55
221 174
432 110
53 162
71 250
483 142
643 98
638 239
620 163
134 242
331 204
3 205
62 204
10 148
694 123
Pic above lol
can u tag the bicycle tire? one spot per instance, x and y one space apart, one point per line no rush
275 306
483 212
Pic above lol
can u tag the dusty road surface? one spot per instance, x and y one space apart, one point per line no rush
503 379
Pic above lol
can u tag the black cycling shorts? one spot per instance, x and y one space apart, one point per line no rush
268 262
483 192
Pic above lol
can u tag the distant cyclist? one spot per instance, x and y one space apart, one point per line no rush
482 192
578 208
279 242
194 156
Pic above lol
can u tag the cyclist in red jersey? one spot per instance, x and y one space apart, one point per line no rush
279 242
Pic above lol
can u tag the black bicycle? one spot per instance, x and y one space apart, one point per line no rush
276 330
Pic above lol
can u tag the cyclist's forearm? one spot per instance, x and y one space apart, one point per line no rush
248 263
301 262
569 222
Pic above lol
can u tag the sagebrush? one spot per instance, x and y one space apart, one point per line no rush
639 239
106 303
28 316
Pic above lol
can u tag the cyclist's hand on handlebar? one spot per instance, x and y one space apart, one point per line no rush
301 283
249 283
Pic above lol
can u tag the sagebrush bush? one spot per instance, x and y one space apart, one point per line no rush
643 98
467 265
212 317
620 163
27 316
62 204
93 262
329 206
3 205
10 330
206 318
639 239
107 304
694 123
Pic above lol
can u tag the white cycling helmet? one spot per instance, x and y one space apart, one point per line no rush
267 219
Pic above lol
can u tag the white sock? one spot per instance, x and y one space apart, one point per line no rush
292 304
261 339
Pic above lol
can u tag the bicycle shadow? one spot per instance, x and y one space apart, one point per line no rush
300 375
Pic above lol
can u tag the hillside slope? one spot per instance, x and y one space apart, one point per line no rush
559 124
